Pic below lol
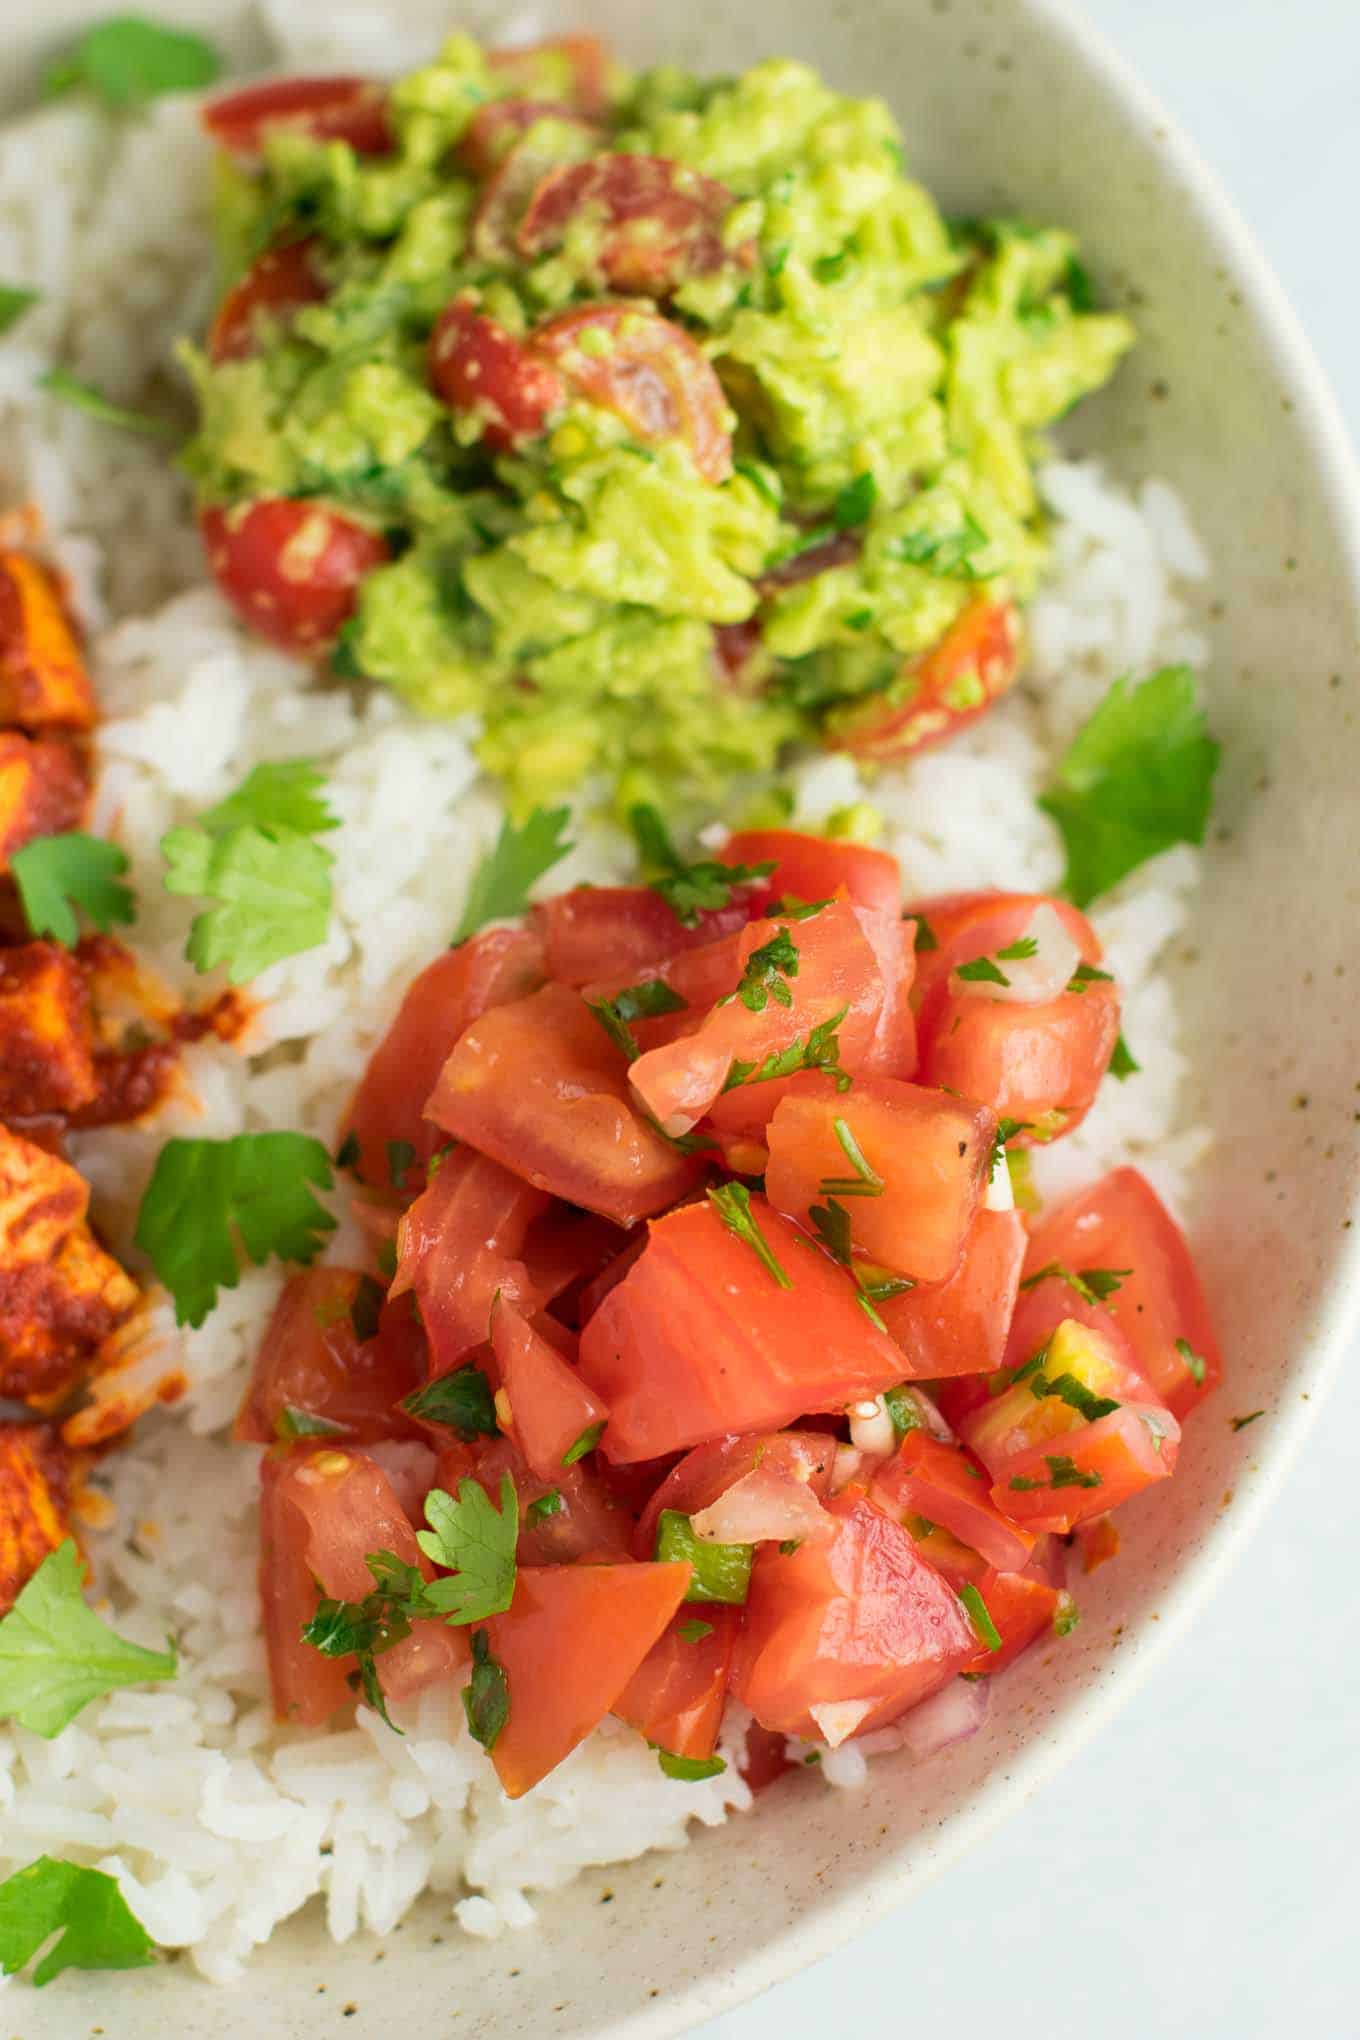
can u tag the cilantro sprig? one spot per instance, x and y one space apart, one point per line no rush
85 1908
866 1181
15 300
732 1202
765 976
58 874
1092 1285
820 1050
636 1002
205 1196
56 1655
831 1223
688 889
127 60
521 854
82 396
1137 779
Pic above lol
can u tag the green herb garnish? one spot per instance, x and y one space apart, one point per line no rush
58 874
486 1696
646 1001
500 885
84 1907
980 1616
127 60
56 1655
688 889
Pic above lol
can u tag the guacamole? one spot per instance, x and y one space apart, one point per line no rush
687 423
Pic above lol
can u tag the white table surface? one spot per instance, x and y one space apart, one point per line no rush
1194 1871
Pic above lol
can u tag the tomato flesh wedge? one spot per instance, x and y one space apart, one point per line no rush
542 147
314 1364
540 1087
619 932
647 370
676 1696
937 1481
277 283
700 1337
1022 1610
841 1638
571 1640
959 1326
481 370
1159 1306
658 222
928 1158
340 109
291 570
813 868
1089 1470
461 1243
940 692
490 969
550 1407
306 1687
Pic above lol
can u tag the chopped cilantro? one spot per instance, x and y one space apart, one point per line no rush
57 874
587 1442
688 1768
788 1545
1104 1283
83 1907
204 1195
732 1202
948 552
462 1400
719 1572
766 970
1137 779
477 1543
400 1155
980 1616
1196 1365
831 1223
547 1505
1240 1423
820 1051
1092 1285
1023 947
349 1151
646 1001
1081 294
501 882
855 502
15 300
1122 1064
981 970
1074 1393
688 889
1086 974
126 60
866 1181
486 1696
925 938
83 396
1064 1472
695 1631
56 1655
366 1308
292 1423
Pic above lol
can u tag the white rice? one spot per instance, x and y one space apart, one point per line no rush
218 1823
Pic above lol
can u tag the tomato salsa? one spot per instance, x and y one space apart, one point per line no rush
702 1351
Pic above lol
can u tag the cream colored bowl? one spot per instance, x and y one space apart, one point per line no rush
1006 104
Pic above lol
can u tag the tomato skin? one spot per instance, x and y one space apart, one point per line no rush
333 109
932 1155
291 570
815 868
516 177
616 933
1022 1609
710 1470
571 1640
278 282
1026 1062
312 1360
539 1086
676 1696
698 1340
939 692
306 1687
1117 1453
937 1481
480 369
574 66
660 221
1120 1222
959 1326
861 1620
551 1407
460 1244
489 969
650 372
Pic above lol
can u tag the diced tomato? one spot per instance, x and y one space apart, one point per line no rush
571 1640
610 1276
941 1483
480 369
550 1407
574 68
1022 1610
1159 1306
541 148
837 974
290 569
659 222
815 868
490 969
1085 1472
938 693
700 1339
277 283
841 1638
566 1251
1042 1307
350 1510
1014 1418
352 110
648 370
580 1520
540 1086
710 1470
952 1559
495 128
676 1696
460 1243
959 1326
313 1363
307 1688
1098 1541
964 926
619 932
928 1158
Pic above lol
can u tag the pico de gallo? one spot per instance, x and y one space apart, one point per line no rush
660 421
702 1350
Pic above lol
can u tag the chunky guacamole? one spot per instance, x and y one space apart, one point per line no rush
687 424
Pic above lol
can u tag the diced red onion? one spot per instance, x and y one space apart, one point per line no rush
409 1465
957 1711
1031 980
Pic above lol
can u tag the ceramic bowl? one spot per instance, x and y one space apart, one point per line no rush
1009 105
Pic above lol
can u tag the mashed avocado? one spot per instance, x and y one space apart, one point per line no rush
711 538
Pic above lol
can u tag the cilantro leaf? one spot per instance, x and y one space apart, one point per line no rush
477 1544
949 552
98 1931
57 874
15 300
1196 1364
125 61
1064 1472
732 1202
587 1442
1137 778
272 888
982 971
462 1400
501 882
820 1051
1074 1393
765 973
284 795
925 937
293 1423
689 1768
1240 1423
83 396
866 1181
694 1632
1122 1064
486 1697
56 1655
855 501
550 1504
636 1002
688 889
203 1194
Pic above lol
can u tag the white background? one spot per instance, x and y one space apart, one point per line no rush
1194 1871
